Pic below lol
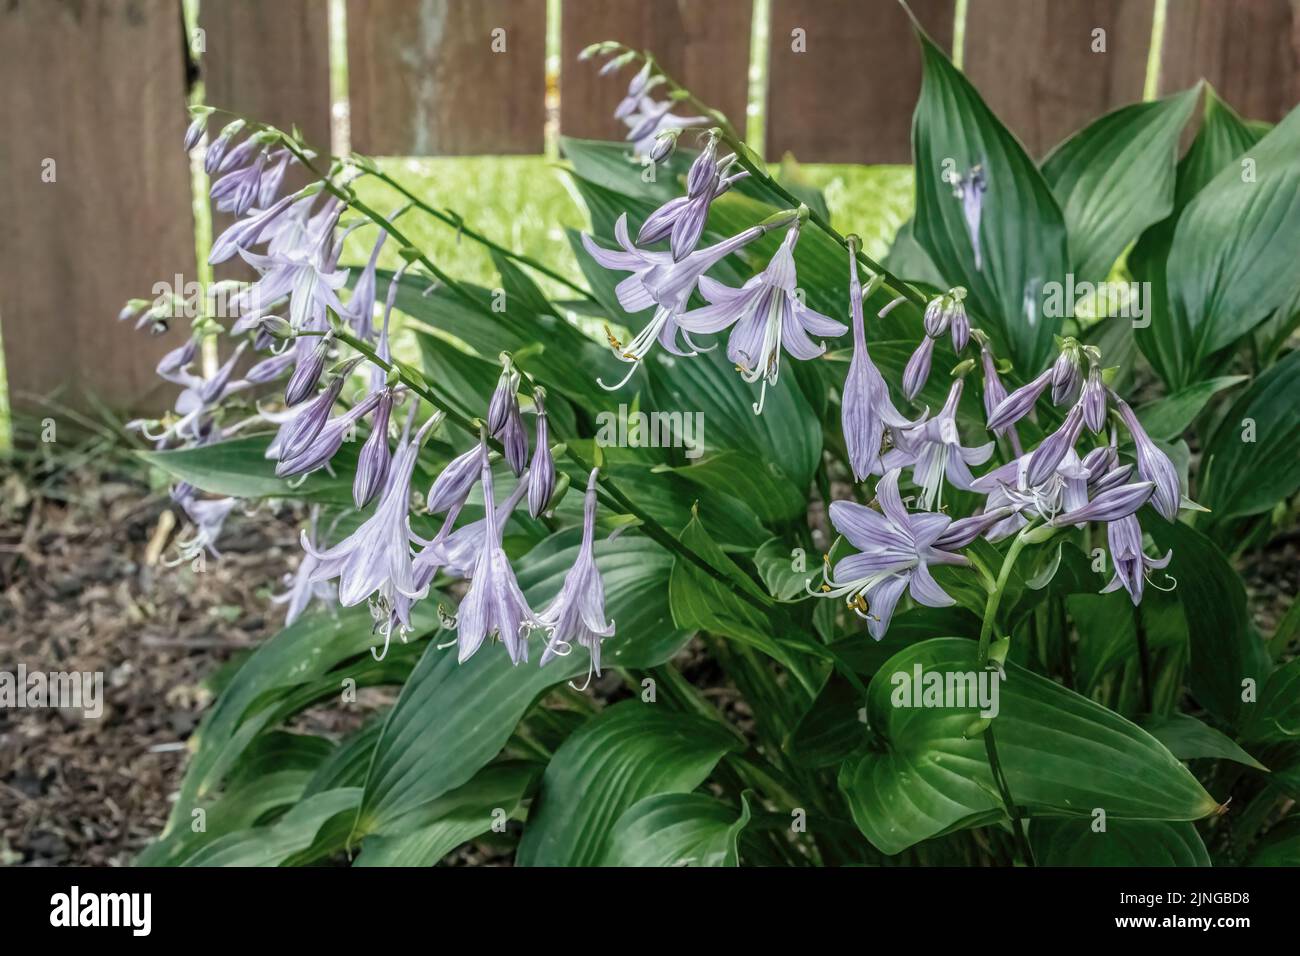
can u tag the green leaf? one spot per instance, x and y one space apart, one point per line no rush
1276 715
627 752
238 467
1122 843
1189 739
1115 177
293 833
427 834
452 719
1167 418
1062 755
677 829
1223 137
775 561
1224 647
1232 261
1245 477
1022 231
761 483
1279 847
830 731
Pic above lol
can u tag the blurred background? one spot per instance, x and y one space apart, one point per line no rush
99 203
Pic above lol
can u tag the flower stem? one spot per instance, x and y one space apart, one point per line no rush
995 594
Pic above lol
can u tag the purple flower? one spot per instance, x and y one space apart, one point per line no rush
217 148
195 131
970 190
1044 460
247 232
866 408
494 605
237 192
768 315
658 280
376 557
326 444
1008 486
307 371
1094 401
209 516
541 474
1112 504
360 310
577 614
456 552
1066 374
304 428
1153 465
1019 403
375 459
504 420
964 531
453 484
934 451
896 550
917 370
302 589
1131 563
641 84
300 273
650 119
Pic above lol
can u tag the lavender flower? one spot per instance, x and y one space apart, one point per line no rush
541 474
1153 465
934 451
360 310
494 605
504 420
307 371
1019 403
375 459
1051 451
327 442
1066 373
1131 562
196 128
209 516
237 191
768 315
896 551
376 557
576 615
300 273
652 119
1094 400
917 371
1008 486
453 484
1113 504
660 281
970 190
217 148
302 589
963 532
304 428
866 408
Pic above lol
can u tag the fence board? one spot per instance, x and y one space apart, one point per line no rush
704 46
849 98
97 86
424 78
1249 50
270 62
1035 66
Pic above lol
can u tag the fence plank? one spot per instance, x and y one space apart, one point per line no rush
1035 63
848 96
98 88
1248 49
270 62
424 78
704 46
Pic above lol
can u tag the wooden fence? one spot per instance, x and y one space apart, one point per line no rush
95 193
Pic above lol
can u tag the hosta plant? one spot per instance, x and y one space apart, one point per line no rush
748 548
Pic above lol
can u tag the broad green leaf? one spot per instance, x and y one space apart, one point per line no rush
1223 137
1276 714
452 719
1225 650
1167 418
427 834
629 751
1115 177
239 467
1107 626
777 562
1232 261
1189 739
1062 755
298 664
291 834
1280 846
1122 843
1022 231
774 497
677 829
830 731
1253 459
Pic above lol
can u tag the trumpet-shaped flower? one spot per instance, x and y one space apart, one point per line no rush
897 547
768 315
934 451
576 615
1132 566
